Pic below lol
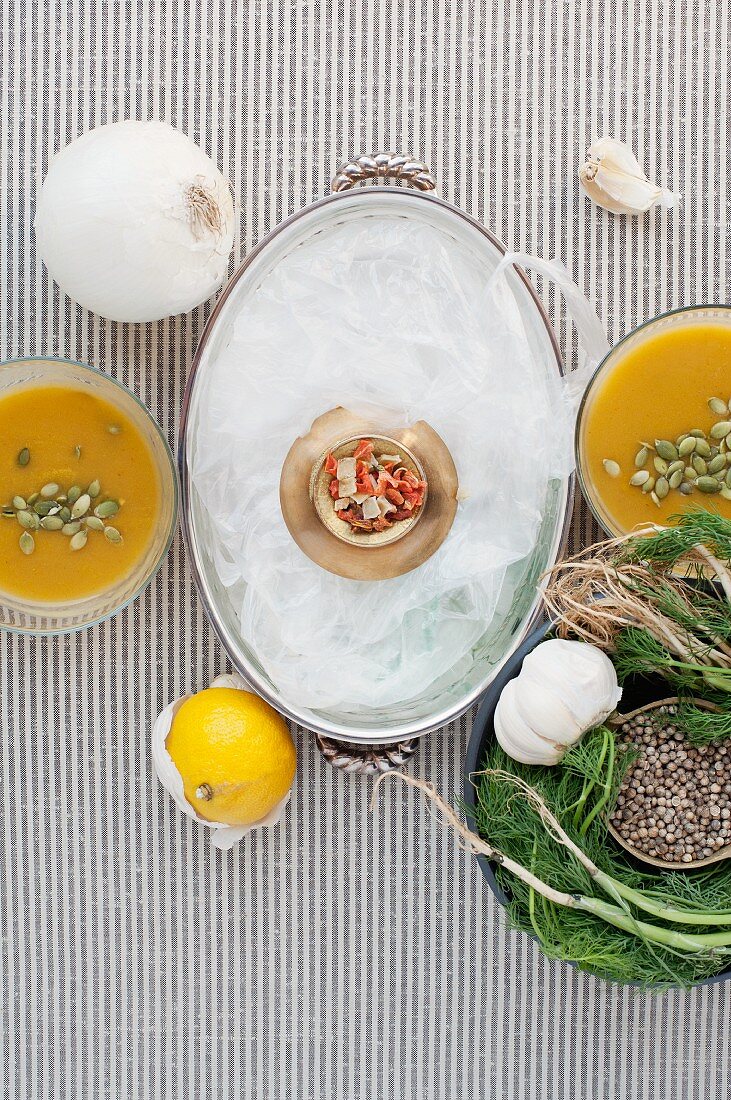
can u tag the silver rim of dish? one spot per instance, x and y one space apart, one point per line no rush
260 684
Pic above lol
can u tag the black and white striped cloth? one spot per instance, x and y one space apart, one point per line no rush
349 954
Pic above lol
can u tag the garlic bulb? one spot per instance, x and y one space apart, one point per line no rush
223 836
135 222
613 178
563 689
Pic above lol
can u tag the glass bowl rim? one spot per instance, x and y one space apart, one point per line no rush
50 632
599 370
229 639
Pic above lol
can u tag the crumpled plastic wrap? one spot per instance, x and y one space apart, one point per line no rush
397 321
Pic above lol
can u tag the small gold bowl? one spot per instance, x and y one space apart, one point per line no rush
307 507
320 492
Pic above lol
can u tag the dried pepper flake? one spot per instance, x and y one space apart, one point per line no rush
372 493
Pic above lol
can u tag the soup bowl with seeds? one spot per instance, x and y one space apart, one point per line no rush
88 496
653 435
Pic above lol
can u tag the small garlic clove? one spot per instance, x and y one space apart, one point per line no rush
588 687
592 692
541 706
516 737
613 178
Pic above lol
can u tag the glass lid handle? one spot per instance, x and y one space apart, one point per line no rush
366 759
396 166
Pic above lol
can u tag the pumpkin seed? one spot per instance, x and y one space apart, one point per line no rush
667 450
699 464
687 446
112 534
720 429
9 513
27 543
94 523
94 489
82 506
727 479
19 502
612 467
716 405
26 519
73 494
660 465
24 457
675 479
690 473
677 465
46 508
51 523
109 508
78 541
728 440
641 457
654 497
662 488
703 448
637 479
725 493
32 499
716 464
49 491
65 514
708 484
649 485
686 488
71 528
697 433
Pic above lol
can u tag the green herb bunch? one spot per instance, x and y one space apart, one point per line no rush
647 955
660 602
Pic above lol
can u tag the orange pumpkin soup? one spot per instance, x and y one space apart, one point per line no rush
658 394
79 494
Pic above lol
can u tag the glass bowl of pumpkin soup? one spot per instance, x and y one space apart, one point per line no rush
88 496
653 434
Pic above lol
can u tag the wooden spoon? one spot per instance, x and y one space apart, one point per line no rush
617 721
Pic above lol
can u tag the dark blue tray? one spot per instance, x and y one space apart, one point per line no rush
635 695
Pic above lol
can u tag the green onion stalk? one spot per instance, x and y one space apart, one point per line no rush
570 885
612 912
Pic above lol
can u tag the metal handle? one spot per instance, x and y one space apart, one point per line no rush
388 165
366 759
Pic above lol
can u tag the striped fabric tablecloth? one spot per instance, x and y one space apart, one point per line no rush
348 954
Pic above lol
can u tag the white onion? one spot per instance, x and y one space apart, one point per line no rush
135 222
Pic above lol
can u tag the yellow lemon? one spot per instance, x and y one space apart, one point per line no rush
234 753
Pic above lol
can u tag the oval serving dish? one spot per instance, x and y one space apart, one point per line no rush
445 700
636 693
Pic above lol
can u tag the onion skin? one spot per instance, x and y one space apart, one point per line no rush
135 222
